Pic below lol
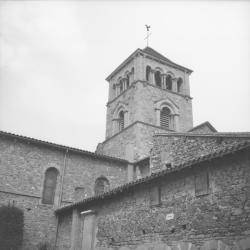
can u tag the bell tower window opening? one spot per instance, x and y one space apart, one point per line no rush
169 82
148 69
179 85
165 117
121 86
121 120
158 78
127 81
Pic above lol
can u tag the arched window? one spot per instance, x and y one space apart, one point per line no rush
179 85
169 82
165 117
121 120
49 186
148 69
158 78
101 185
121 86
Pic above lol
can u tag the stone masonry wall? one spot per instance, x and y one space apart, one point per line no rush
138 136
140 99
39 219
22 169
147 95
182 220
176 149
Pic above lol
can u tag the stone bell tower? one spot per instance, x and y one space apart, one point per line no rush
148 94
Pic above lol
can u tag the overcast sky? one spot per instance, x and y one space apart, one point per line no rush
55 56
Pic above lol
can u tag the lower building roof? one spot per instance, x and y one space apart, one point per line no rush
131 185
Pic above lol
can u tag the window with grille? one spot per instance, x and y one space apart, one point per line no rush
49 186
165 117
121 120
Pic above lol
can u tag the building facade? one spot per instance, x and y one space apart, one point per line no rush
155 183
148 93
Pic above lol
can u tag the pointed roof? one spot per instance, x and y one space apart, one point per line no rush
152 53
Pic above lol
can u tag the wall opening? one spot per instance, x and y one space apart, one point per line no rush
158 78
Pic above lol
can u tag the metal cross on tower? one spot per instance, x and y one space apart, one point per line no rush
148 34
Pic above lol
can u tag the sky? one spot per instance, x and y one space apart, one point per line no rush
55 56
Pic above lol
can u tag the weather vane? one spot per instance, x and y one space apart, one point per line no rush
148 34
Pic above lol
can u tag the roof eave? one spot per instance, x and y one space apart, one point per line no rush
169 63
123 64
62 147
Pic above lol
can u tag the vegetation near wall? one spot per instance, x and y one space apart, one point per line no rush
11 228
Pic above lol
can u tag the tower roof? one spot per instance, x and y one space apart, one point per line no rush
152 53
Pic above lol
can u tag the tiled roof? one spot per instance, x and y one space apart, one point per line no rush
208 124
154 53
212 134
130 185
151 52
58 146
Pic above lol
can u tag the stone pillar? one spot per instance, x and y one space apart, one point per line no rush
164 76
139 63
115 125
151 77
162 81
158 122
174 84
186 87
176 122
75 230
126 118
124 83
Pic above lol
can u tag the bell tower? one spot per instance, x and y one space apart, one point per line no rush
148 94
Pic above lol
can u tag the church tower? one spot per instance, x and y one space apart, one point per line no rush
148 94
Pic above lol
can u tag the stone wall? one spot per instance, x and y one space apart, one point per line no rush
176 149
22 168
182 220
140 101
138 137
39 219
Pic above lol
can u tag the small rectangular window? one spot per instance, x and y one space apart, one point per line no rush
201 183
155 196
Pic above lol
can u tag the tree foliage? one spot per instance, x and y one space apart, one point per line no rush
11 228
